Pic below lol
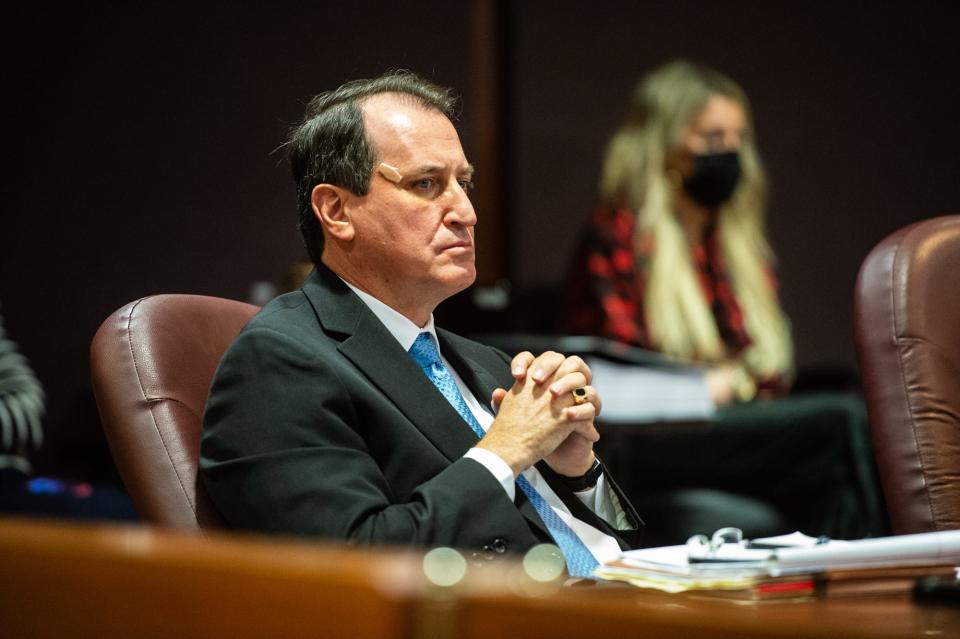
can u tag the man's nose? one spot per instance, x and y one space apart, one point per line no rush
461 208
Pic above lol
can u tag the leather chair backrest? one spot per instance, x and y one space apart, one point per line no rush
151 364
907 323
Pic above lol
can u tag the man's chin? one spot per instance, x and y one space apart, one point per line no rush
468 279
460 281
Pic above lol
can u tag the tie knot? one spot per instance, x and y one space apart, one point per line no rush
424 351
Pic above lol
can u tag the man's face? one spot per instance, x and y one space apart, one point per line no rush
414 238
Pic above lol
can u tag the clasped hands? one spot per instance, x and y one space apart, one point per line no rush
538 419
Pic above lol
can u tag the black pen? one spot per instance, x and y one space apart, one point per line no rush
822 540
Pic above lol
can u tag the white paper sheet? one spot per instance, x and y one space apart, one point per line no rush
640 394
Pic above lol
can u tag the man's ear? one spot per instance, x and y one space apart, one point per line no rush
329 206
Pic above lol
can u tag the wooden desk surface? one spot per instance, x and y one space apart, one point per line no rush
619 612
68 580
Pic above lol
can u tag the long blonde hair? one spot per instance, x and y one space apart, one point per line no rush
678 318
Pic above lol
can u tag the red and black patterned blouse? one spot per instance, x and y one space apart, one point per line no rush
609 277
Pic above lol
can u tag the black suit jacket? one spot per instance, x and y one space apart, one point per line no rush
319 423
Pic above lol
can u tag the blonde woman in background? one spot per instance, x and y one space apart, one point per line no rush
676 257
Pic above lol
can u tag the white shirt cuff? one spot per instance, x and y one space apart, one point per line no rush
497 467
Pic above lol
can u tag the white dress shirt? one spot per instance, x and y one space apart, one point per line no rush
599 499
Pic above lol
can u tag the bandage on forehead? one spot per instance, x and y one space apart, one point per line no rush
389 173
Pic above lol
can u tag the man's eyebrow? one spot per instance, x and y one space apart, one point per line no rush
427 169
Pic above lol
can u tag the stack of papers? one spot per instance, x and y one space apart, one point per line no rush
640 394
789 566
668 569
923 549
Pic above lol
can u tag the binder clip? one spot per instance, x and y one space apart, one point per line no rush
700 548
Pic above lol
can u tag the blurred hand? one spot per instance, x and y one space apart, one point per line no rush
720 385
730 383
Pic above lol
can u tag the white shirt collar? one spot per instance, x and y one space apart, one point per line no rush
400 327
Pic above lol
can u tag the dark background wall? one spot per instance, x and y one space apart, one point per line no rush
140 140
853 104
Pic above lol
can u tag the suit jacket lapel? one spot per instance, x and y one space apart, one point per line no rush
370 346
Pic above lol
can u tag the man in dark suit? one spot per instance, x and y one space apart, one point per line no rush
342 412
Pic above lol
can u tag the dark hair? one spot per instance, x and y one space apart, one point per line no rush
331 146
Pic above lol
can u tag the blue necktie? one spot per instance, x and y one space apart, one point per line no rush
580 561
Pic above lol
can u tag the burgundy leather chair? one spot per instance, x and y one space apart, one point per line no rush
151 365
907 322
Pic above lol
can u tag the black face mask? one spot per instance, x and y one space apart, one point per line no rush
714 179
